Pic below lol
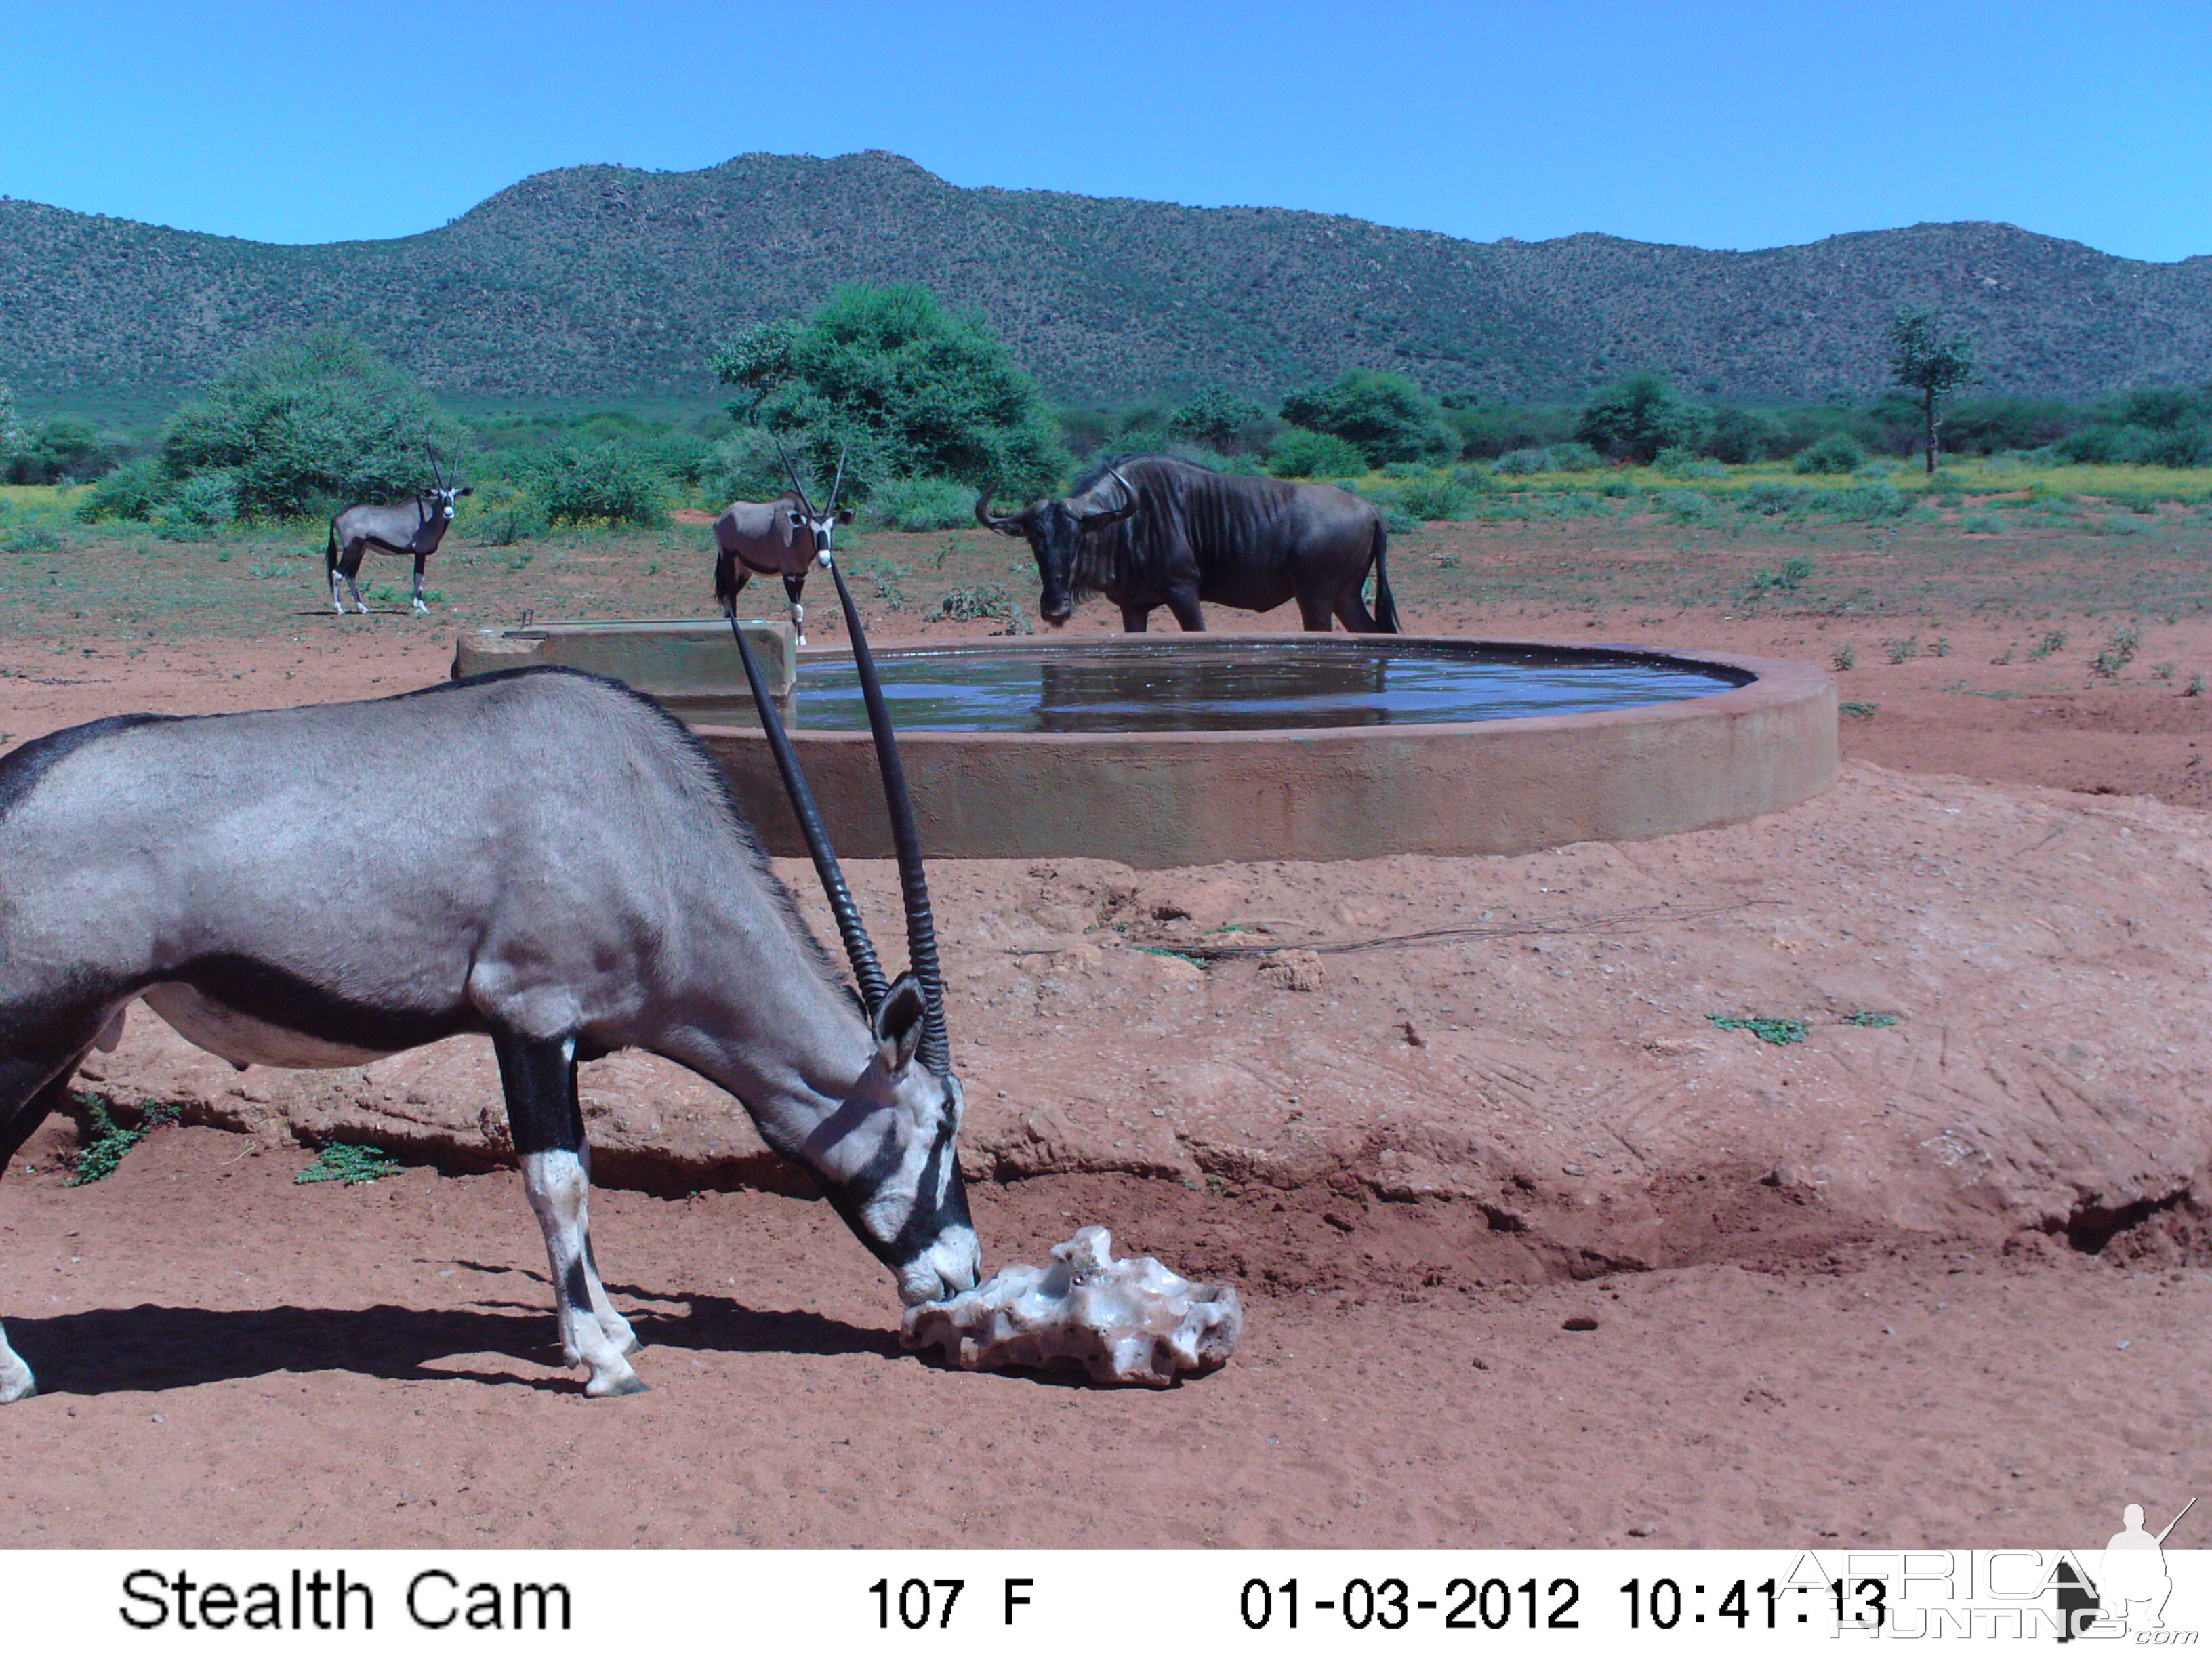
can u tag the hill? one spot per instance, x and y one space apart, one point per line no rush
610 282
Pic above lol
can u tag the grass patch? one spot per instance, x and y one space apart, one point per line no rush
354 1165
1858 711
1869 1020
1767 1028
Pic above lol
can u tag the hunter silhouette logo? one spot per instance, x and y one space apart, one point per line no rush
2129 1590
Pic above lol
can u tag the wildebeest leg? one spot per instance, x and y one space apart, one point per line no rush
793 587
538 1075
23 1107
1184 603
1352 607
421 608
1313 613
1135 619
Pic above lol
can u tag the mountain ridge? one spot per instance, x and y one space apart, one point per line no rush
602 281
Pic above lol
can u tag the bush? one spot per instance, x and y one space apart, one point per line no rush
1298 454
915 390
1773 498
1741 435
136 490
503 513
1638 418
61 452
743 467
1676 462
1574 456
307 425
1430 499
923 504
602 483
1523 463
1386 417
1219 418
1837 452
202 506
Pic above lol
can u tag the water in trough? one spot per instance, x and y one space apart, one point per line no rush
1227 686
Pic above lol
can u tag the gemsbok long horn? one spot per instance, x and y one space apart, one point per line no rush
935 1047
874 988
791 472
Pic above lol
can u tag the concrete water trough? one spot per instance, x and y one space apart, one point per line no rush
1170 749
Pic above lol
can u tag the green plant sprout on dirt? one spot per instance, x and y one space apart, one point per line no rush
2119 651
1867 1018
1767 1028
1858 711
1845 658
98 1158
2053 641
1904 650
354 1165
2195 686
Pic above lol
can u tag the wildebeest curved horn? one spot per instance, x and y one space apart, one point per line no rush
874 988
935 1050
791 472
985 517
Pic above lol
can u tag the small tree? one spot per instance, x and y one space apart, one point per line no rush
916 391
1386 417
1922 360
1219 418
1637 417
11 434
305 424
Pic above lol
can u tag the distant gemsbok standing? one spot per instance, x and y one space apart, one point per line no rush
415 526
782 537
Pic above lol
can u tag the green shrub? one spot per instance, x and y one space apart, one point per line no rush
916 504
201 507
1638 418
1741 435
611 482
501 513
1387 417
1299 453
1575 456
1678 462
136 490
310 425
1219 418
913 389
1433 499
1837 452
1521 463
1773 498
62 451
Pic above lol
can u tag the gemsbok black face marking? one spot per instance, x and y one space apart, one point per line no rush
537 855
1156 531
411 527
784 538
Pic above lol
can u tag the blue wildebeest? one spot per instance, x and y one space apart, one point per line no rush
782 537
415 526
537 855
1155 530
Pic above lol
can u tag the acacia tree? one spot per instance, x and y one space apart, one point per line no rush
1922 359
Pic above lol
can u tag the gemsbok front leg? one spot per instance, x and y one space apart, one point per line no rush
540 1078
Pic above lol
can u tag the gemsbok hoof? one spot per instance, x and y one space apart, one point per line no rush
614 1387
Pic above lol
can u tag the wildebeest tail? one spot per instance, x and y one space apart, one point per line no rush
1386 608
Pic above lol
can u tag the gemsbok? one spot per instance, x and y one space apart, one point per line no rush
782 537
537 855
414 527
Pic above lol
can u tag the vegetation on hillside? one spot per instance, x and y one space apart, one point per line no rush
610 283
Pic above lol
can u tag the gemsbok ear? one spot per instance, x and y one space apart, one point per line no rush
898 1023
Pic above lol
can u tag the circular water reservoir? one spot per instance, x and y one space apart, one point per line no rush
1170 749
1129 687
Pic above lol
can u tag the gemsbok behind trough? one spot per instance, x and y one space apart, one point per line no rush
537 855
782 537
409 528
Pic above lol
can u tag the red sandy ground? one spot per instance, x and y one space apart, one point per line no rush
230 1359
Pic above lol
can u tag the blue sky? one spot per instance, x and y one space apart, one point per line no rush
1732 126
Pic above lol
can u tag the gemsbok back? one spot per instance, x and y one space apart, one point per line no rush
537 855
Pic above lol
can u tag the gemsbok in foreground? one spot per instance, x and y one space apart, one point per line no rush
537 855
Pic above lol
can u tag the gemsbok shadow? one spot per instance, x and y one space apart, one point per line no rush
151 1348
